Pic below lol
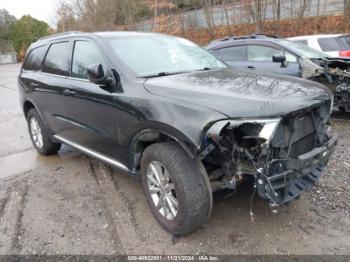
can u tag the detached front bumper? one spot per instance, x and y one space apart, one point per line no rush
300 174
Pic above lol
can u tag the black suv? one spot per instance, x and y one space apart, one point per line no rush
161 107
281 56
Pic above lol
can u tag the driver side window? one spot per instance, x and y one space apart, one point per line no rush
256 53
85 54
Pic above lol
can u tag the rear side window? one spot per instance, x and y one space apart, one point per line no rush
34 59
329 44
85 54
231 54
57 59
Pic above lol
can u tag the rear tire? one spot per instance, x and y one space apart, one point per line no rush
39 134
188 187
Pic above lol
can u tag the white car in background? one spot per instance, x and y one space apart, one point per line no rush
333 45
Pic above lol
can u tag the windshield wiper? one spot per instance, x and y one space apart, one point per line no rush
204 69
165 74
208 68
176 72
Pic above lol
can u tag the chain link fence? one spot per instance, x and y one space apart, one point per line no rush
236 13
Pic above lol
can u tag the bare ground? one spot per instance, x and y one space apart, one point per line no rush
73 204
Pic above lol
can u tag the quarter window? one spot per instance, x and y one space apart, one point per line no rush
34 59
85 54
57 59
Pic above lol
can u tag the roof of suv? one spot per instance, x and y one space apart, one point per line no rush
304 37
230 39
46 39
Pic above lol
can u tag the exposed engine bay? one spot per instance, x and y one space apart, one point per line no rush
285 156
334 73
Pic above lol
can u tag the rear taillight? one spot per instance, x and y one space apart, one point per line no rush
344 53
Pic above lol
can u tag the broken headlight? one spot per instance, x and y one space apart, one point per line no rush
243 130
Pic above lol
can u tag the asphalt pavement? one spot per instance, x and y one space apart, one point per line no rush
72 204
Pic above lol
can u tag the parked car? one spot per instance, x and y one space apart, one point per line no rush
333 45
281 56
163 108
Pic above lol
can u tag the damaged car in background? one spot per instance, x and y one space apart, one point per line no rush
282 56
167 110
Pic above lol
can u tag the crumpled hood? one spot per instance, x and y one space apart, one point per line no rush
240 93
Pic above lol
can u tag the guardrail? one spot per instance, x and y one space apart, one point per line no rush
8 58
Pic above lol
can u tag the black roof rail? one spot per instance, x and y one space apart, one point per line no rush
61 34
252 36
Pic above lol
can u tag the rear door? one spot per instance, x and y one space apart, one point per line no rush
89 107
47 86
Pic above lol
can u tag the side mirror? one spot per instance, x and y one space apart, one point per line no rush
97 75
280 59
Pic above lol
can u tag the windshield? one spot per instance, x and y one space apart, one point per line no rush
303 50
160 55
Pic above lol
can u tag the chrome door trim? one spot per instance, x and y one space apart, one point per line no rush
93 153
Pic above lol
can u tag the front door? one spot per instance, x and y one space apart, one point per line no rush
89 108
259 57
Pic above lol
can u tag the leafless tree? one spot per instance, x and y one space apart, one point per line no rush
317 16
65 18
276 11
256 9
347 14
209 17
276 8
226 17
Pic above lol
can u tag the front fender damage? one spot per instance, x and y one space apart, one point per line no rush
334 73
283 156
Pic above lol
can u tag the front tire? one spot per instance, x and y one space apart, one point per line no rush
176 189
39 134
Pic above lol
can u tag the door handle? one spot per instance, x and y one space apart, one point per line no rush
250 67
68 92
34 85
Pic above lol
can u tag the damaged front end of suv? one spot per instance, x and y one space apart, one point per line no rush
332 72
285 155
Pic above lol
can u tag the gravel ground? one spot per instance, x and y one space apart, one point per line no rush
73 204
332 193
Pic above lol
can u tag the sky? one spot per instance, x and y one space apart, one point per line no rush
40 9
